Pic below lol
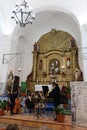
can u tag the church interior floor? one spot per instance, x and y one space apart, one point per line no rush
27 118
74 127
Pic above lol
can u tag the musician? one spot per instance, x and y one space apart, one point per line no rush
41 94
12 98
55 94
29 104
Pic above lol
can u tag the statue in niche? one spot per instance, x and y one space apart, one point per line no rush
54 66
40 64
68 63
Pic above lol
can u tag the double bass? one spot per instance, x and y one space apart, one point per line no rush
17 107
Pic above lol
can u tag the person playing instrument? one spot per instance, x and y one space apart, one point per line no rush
55 94
29 104
12 98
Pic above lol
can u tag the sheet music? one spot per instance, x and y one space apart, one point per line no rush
38 87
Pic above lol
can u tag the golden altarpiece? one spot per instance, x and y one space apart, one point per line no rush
55 59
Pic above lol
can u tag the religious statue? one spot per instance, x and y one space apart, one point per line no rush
68 62
36 47
78 75
72 42
30 77
54 67
10 81
10 78
40 64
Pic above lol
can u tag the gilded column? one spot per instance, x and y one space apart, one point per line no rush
35 54
45 67
74 59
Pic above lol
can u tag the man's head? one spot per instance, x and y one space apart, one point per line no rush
53 84
12 127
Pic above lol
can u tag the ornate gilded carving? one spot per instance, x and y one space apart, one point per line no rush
55 54
55 40
54 66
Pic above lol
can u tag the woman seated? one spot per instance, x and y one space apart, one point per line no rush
29 104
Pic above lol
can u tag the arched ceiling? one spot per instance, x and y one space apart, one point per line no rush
49 14
77 7
63 15
45 21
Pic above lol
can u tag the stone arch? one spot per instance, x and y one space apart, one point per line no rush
39 12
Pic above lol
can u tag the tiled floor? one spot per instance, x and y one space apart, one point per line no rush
78 128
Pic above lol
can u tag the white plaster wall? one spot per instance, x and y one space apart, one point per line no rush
44 22
5 42
49 14
83 57
4 49
78 7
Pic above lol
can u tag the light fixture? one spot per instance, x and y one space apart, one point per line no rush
23 14
19 69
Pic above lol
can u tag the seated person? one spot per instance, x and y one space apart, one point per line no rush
29 104
23 105
12 98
